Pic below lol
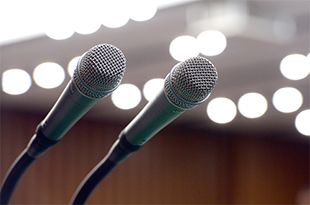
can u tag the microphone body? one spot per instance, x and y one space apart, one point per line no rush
68 109
189 84
98 73
151 119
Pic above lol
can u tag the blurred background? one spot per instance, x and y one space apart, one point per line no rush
247 144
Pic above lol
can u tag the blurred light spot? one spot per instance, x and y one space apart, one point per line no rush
126 96
184 47
295 66
115 13
72 65
58 31
141 10
15 81
48 75
287 99
152 87
86 16
58 27
302 122
211 42
221 110
252 105
86 26
21 20
59 17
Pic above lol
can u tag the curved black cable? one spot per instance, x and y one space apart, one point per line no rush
92 180
120 150
36 147
17 169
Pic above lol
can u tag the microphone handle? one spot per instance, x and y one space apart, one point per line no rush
36 147
13 176
120 150
69 108
151 119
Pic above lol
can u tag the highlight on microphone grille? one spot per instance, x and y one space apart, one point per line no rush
100 71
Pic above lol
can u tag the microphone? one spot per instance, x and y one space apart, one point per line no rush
98 73
188 84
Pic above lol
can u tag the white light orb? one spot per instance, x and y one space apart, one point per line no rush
86 26
142 10
48 75
86 16
115 22
126 96
211 42
72 65
221 110
302 122
295 66
115 14
58 27
58 31
184 47
15 81
252 105
152 87
287 99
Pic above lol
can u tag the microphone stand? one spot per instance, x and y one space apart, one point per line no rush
120 150
36 147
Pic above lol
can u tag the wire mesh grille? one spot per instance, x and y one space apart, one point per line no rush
100 70
191 82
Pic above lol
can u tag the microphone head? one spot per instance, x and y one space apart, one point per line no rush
190 82
99 71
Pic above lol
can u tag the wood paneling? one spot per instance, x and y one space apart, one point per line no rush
177 166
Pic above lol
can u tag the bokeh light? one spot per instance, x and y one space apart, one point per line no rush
184 47
72 65
221 110
59 17
114 15
49 75
295 66
252 105
152 87
126 96
211 42
142 10
302 122
15 81
287 99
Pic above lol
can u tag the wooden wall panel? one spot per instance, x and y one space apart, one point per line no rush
268 171
178 166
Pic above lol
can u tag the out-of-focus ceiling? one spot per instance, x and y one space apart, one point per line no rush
250 62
